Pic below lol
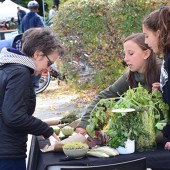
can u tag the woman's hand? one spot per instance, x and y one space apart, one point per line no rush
81 130
56 137
156 86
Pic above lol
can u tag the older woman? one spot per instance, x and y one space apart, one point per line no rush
40 49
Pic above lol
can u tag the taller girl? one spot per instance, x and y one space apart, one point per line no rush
156 27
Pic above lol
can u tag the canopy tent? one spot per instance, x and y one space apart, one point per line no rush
8 9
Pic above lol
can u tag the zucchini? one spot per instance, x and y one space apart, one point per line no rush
97 154
107 150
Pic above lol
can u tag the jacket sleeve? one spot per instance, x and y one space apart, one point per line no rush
115 90
18 18
166 134
22 24
40 22
15 106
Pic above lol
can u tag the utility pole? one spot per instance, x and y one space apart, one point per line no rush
43 10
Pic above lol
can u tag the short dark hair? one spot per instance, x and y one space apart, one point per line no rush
40 39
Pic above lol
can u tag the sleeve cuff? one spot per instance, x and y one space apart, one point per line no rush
48 133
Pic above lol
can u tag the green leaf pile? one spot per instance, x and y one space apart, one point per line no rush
138 125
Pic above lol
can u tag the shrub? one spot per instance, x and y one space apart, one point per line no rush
92 31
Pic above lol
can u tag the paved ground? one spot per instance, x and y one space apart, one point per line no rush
56 101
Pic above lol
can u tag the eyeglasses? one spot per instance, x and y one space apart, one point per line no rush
49 61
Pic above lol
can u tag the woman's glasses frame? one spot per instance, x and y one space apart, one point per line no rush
49 61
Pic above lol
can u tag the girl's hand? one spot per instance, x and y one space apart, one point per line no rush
156 86
167 146
81 130
56 137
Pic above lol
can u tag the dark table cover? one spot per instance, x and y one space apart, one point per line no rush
158 159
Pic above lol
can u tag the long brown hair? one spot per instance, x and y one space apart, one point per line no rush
152 69
160 20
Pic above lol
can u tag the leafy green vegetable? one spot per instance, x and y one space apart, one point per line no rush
69 118
138 125
160 125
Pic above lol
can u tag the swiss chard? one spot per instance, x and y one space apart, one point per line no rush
138 125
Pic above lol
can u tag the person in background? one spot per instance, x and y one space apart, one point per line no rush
33 20
12 24
57 3
6 25
52 12
17 97
2 26
156 27
20 14
143 68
